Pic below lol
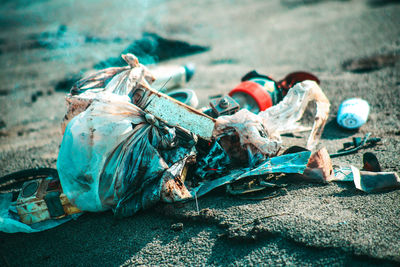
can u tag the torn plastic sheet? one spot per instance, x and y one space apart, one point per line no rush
10 223
284 117
251 131
117 80
290 163
260 133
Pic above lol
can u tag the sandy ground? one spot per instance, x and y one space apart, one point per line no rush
312 224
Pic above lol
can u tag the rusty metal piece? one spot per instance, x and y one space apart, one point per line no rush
226 105
41 200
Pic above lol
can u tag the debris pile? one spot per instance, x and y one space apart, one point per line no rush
127 146
133 146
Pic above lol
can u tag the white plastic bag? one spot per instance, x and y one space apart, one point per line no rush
260 133
110 157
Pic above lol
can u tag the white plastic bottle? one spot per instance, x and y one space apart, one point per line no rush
353 113
171 76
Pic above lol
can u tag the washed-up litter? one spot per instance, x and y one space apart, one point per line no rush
186 96
367 181
127 146
145 142
169 77
257 92
352 113
357 144
32 200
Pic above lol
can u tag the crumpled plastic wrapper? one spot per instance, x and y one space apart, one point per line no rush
284 117
261 132
100 85
251 131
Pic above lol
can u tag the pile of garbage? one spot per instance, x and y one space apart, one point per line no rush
127 146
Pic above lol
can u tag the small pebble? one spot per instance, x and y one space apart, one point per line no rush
177 227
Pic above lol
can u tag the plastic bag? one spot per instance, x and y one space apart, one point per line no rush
284 117
117 80
260 133
110 157
252 133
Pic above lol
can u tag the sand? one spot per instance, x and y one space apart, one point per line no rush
312 224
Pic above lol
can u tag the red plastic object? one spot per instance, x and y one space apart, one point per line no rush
256 91
292 78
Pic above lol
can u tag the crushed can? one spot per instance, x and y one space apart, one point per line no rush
43 199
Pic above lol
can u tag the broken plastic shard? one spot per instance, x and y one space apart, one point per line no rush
375 181
342 174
